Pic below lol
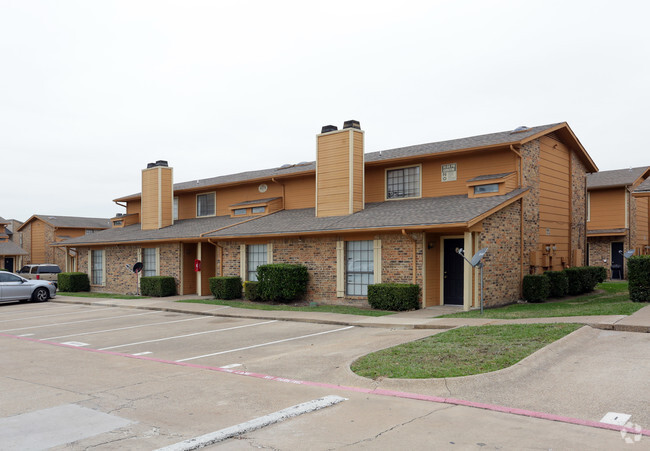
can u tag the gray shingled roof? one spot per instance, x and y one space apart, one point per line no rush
643 187
489 177
182 229
11 248
380 215
3 220
616 177
491 139
75 222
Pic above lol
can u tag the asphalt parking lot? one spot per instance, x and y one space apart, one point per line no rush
155 378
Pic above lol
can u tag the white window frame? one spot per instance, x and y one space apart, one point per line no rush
103 269
156 263
175 209
214 196
354 288
402 168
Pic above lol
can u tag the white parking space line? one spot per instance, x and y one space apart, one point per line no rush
253 425
77 322
126 328
264 344
55 314
142 353
188 335
76 344
227 367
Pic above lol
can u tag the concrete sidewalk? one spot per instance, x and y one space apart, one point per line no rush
428 318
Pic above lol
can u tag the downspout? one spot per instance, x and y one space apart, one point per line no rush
414 241
220 247
282 185
520 176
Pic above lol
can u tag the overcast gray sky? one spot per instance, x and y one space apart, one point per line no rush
91 91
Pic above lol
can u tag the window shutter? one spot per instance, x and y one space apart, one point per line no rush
340 269
377 262
242 265
269 253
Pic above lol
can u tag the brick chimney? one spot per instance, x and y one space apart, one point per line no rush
157 196
339 170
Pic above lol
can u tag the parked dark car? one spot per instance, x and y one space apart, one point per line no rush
16 288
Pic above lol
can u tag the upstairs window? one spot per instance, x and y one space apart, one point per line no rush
175 212
257 210
490 188
240 212
206 205
403 183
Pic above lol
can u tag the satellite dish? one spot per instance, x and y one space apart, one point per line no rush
628 254
138 267
476 259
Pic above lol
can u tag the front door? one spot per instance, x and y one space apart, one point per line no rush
452 277
617 260
9 264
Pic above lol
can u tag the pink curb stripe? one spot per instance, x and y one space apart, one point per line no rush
377 391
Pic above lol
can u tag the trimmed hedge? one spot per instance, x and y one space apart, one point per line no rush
601 272
558 283
282 282
226 287
394 296
2 269
583 279
158 286
251 291
638 276
73 281
536 287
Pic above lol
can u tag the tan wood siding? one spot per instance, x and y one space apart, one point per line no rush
166 197
149 216
607 209
340 173
38 242
133 207
433 270
186 206
300 192
467 167
555 202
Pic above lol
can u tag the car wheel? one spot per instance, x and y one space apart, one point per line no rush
40 295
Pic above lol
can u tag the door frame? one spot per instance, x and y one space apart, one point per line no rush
442 268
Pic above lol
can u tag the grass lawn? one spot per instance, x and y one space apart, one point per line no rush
345 309
86 294
613 299
461 352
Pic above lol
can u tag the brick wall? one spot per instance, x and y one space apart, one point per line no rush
318 254
501 273
579 210
530 153
600 249
120 279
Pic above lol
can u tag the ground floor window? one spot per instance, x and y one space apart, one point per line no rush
97 267
149 262
359 257
256 255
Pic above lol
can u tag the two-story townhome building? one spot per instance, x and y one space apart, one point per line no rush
41 233
11 253
356 218
616 220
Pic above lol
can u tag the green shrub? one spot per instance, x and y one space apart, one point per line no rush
73 281
226 288
2 269
394 296
583 279
638 275
536 287
558 283
282 282
601 272
158 286
251 291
